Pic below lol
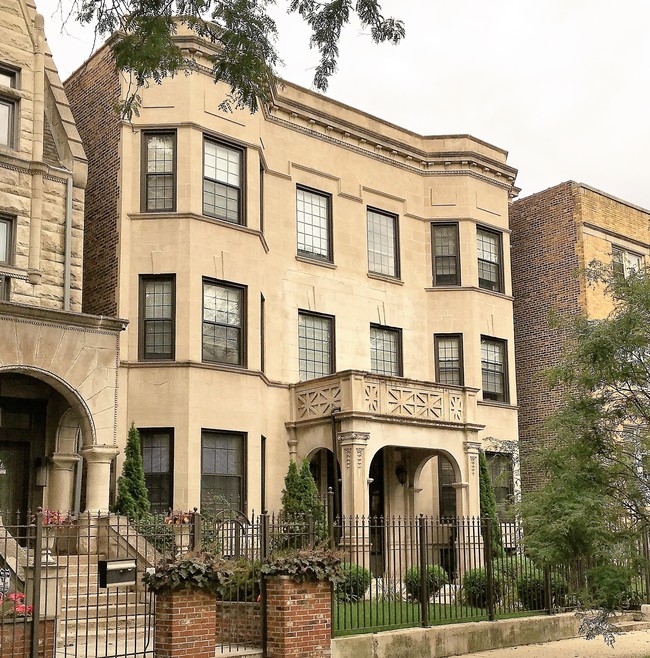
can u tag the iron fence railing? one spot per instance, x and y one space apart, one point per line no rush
397 572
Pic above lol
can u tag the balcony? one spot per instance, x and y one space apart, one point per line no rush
354 393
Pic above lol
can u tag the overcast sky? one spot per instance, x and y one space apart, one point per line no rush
562 85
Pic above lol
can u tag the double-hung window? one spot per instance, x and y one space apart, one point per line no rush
315 345
223 470
494 369
490 258
501 474
157 317
444 249
223 178
385 350
223 322
625 262
449 359
8 107
159 171
157 463
313 222
383 243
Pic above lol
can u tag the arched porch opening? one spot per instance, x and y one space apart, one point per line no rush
326 471
43 426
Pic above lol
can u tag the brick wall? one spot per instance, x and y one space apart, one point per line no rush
545 260
239 623
185 625
16 638
93 91
299 618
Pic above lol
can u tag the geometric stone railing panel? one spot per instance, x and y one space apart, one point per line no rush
354 391
318 402
413 403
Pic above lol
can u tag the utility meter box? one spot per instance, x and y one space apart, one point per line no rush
113 573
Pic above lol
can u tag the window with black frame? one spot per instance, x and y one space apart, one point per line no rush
8 107
383 243
222 470
444 248
313 224
157 317
159 171
223 178
493 369
315 345
385 350
490 273
223 323
157 463
449 359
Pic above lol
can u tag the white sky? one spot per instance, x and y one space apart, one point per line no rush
563 85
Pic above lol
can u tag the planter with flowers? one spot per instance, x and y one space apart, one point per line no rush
15 625
181 524
56 525
299 602
185 589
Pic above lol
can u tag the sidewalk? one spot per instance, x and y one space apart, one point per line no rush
634 644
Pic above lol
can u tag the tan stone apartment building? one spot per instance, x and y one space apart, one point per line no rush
556 233
302 282
58 367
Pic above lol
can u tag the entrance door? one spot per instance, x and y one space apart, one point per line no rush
14 476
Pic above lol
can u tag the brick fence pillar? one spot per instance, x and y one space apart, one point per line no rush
299 618
185 624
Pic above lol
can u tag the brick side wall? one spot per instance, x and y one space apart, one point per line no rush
93 92
16 638
185 625
239 623
299 619
544 264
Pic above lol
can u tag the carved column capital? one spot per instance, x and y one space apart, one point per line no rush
472 447
353 438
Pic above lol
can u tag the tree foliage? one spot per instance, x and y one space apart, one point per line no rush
242 31
488 503
595 504
132 496
300 495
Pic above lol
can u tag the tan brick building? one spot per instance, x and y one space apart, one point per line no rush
556 234
58 367
304 281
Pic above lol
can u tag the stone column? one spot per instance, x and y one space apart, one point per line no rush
355 539
469 542
98 465
61 481
472 449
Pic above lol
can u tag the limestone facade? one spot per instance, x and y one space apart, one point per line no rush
302 282
556 234
58 366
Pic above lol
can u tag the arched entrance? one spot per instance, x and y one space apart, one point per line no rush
322 465
43 424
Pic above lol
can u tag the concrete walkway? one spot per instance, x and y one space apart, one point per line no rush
633 644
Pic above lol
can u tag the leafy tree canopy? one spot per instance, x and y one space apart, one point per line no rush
596 502
242 31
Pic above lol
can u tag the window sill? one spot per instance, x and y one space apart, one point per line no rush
315 261
386 278
501 295
495 403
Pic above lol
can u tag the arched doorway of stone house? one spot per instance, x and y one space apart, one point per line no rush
321 465
41 427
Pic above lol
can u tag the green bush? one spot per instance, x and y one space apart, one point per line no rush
531 589
436 576
475 587
511 566
354 582
243 583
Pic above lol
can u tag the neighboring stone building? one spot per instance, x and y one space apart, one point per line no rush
555 235
58 367
300 281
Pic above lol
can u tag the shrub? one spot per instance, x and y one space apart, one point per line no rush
511 566
354 582
475 587
132 497
243 583
436 577
194 571
531 588
305 564
610 587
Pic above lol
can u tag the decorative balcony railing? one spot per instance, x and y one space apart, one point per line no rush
354 392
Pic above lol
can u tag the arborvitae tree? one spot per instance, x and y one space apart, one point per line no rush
132 497
489 503
300 494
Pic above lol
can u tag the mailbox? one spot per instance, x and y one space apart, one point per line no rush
113 573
